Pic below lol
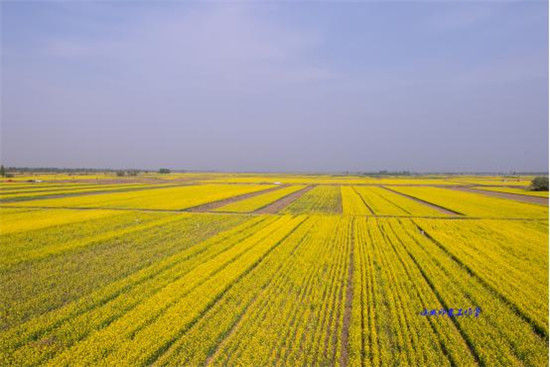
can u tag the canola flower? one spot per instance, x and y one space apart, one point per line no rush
477 205
324 283
319 200
260 201
31 194
520 191
171 198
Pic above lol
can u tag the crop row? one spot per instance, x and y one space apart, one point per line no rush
389 293
64 230
299 318
369 200
502 336
499 253
319 200
162 317
31 287
206 338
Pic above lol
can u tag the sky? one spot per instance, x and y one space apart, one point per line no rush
276 86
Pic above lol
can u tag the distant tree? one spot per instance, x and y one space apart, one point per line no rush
2 171
120 173
539 183
133 172
164 170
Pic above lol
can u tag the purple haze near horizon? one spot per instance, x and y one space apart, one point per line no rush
310 86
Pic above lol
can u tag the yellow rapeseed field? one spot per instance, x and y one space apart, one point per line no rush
347 271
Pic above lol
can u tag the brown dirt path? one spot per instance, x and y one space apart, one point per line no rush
505 195
427 203
218 204
179 211
283 202
344 358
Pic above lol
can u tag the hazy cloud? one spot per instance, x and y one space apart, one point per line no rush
248 86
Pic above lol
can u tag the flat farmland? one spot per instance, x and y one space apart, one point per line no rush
340 273
169 198
10 195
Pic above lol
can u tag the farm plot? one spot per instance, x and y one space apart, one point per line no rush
297 319
150 306
523 181
490 250
18 220
20 187
377 203
168 198
399 270
90 254
511 190
409 206
472 204
260 201
319 200
28 194
353 203
373 200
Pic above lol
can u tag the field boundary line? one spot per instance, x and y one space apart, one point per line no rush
394 204
337 302
263 207
526 199
178 211
92 208
206 207
349 298
427 203
363 200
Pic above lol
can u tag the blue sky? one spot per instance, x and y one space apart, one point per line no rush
308 86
